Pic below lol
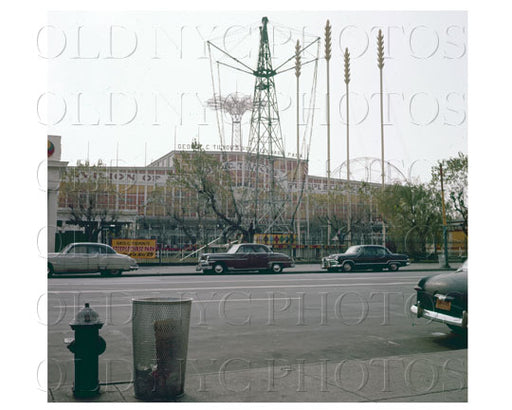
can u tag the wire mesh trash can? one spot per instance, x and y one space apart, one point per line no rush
160 328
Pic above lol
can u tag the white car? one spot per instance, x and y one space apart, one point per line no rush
85 257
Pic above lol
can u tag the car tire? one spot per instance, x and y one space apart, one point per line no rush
111 272
51 272
219 268
276 268
458 330
347 267
393 267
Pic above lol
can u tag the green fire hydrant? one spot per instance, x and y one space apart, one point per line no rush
86 346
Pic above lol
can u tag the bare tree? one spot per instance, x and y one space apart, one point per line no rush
88 192
200 173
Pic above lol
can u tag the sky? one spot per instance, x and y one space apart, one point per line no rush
128 87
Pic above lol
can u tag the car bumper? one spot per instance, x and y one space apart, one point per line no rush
134 267
203 266
461 322
330 263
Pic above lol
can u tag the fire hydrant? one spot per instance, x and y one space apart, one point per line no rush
86 346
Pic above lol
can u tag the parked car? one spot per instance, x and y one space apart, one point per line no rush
444 298
88 257
364 257
245 257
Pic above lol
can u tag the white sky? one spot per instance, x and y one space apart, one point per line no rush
127 87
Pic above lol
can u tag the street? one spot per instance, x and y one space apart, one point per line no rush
295 336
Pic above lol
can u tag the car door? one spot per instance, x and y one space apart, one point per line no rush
366 257
110 260
380 258
94 255
76 260
260 257
241 259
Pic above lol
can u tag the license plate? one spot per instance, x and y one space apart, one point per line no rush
443 304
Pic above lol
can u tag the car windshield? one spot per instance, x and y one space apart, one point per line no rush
233 249
353 250
67 248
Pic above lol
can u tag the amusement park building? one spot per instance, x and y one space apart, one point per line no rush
138 215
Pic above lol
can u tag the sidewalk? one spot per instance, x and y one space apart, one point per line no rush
427 378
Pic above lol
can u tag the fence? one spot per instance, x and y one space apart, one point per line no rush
301 253
310 252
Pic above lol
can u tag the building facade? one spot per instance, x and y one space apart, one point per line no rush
143 202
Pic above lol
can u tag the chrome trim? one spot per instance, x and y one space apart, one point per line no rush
441 317
400 262
444 297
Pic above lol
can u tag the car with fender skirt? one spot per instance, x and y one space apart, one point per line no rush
87 257
245 257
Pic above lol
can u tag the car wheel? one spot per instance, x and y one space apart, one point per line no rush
50 270
276 268
219 268
348 267
115 272
111 272
458 330
393 267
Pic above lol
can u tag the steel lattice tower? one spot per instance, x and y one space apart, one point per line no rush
266 143
265 134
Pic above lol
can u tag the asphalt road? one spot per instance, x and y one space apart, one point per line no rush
262 337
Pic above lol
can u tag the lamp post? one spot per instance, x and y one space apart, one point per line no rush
445 233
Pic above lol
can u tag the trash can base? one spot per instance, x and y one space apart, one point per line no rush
84 394
159 398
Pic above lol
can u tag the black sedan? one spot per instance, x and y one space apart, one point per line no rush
365 257
444 298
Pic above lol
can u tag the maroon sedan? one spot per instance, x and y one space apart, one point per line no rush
245 257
